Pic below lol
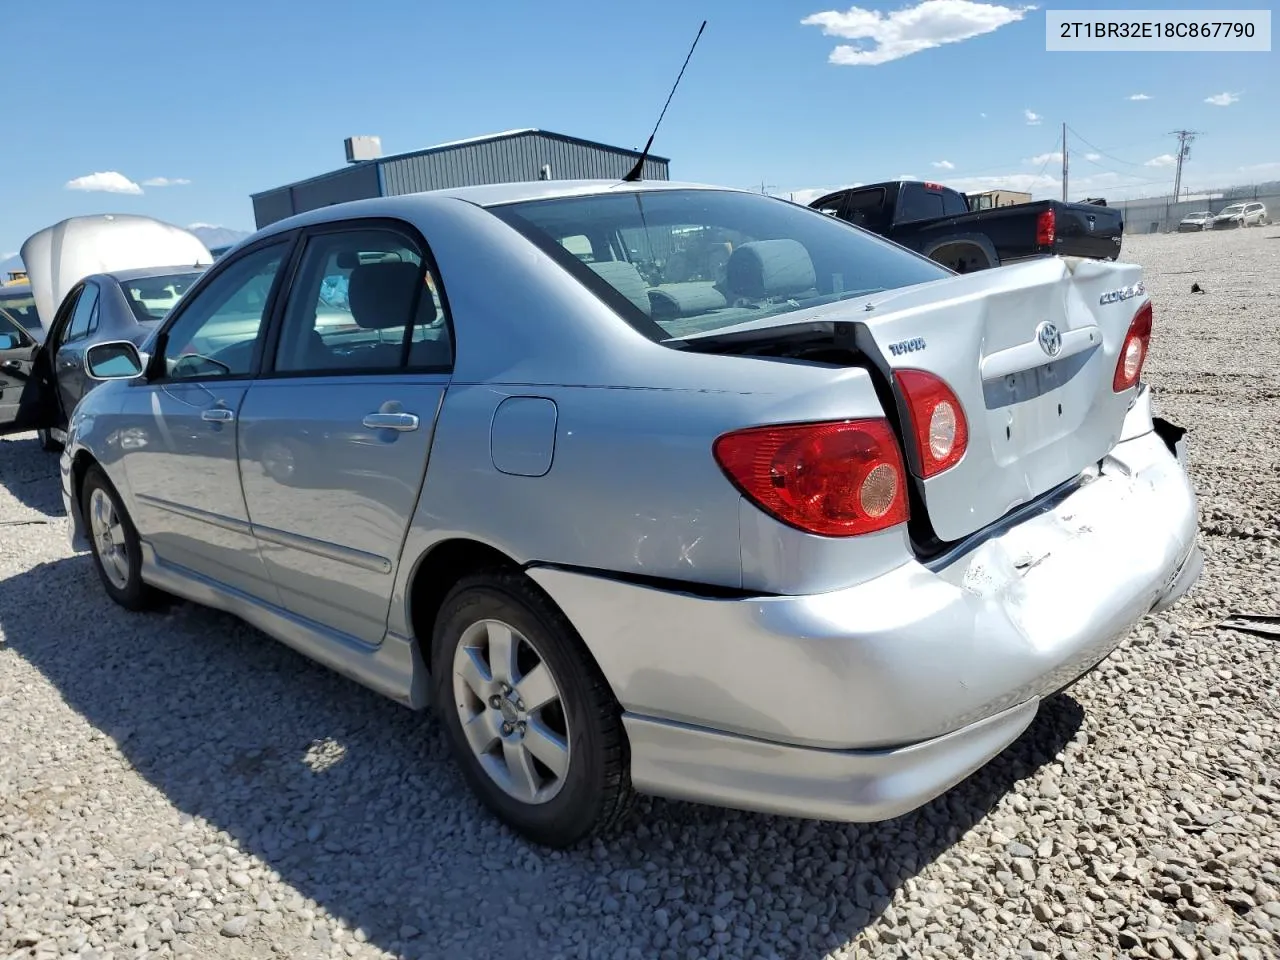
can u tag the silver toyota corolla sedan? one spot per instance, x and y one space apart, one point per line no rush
650 487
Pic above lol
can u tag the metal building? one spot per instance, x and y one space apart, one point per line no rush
513 156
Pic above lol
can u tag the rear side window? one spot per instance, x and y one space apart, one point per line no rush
364 300
691 261
85 310
866 208
953 204
917 203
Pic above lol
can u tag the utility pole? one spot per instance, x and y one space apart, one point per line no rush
1185 139
1064 162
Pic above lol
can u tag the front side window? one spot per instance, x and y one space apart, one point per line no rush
830 205
151 298
689 261
364 301
10 328
22 308
215 334
85 309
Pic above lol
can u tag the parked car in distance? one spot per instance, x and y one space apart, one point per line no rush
1195 222
813 532
125 305
935 220
109 278
1240 215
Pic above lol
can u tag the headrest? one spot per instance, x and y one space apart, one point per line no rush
770 268
623 276
381 295
688 299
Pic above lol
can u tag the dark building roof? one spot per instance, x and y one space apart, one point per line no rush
472 141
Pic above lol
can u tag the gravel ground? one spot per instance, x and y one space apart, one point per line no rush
178 784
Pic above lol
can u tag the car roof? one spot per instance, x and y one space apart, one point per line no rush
488 195
144 273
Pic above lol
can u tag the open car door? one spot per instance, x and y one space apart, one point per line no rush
26 396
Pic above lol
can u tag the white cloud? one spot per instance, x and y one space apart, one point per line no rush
905 176
165 182
1138 96
1042 158
199 225
891 36
1033 119
1095 157
1023 182
983 116
944 165
1164 160
1222 99
1260 167
107 182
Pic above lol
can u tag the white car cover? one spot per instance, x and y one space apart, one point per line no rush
60 256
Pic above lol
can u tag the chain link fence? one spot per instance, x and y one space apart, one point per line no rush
1163 214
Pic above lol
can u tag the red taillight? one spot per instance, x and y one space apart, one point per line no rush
1134 352
1046 225
838 479
937 420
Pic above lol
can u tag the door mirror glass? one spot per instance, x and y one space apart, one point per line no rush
113 360
9 341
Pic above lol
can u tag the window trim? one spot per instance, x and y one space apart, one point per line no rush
155 373
409 232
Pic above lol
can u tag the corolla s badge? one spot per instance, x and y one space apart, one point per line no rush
1050 338
1124 293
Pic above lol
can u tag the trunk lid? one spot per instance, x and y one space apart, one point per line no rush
1088 230
60 256
1034 420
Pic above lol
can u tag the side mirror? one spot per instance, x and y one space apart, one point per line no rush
114 360
9 341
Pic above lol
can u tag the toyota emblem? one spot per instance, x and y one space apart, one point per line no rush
1049 337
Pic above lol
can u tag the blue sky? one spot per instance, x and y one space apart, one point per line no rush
235 97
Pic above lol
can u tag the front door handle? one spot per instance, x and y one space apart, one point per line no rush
11 364
391 421
218 415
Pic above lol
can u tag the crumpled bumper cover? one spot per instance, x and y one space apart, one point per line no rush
864 703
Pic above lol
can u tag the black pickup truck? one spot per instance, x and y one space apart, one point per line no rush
936 221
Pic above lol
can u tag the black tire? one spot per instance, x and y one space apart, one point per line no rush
134 594
596 792
47 443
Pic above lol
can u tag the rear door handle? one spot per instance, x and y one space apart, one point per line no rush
391 421
218 415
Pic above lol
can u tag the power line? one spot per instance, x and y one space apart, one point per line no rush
1099 150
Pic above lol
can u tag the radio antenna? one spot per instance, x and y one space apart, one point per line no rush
636 171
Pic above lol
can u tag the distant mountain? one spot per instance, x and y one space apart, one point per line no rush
11 263
213 237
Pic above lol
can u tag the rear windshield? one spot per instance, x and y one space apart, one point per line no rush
679 262
151 298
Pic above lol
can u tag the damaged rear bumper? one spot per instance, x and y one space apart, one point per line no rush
864 703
